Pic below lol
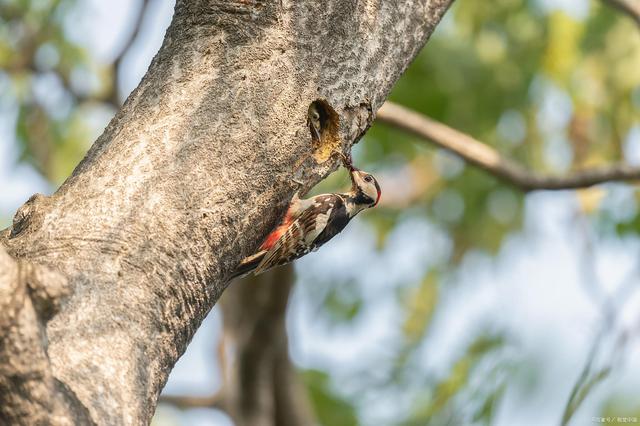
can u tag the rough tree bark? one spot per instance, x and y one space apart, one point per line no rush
185 181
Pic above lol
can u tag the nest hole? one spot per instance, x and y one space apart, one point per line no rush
324 123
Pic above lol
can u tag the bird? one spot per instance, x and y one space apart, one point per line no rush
315 121
310 223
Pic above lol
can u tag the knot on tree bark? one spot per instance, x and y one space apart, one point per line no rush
30 295
26 216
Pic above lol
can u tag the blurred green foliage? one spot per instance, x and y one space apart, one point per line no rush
485 72
329 408
439 405
553 91
53 82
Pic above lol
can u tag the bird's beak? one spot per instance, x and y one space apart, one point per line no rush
315 131
352 174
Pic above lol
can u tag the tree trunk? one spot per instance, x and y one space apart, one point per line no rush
260 385
185 181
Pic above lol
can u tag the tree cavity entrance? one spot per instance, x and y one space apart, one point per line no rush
323 122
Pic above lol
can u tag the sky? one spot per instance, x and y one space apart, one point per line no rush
533 289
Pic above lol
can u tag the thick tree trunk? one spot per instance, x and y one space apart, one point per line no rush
186 180
262 387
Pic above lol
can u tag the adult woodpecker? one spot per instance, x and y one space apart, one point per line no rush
310 223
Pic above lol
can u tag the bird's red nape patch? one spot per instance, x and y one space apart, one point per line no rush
379 193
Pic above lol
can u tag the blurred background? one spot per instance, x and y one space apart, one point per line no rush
459 300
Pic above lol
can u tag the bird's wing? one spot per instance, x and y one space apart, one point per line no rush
299 237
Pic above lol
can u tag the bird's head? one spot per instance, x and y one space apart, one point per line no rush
364 188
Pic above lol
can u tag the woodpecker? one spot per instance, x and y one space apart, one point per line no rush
310 223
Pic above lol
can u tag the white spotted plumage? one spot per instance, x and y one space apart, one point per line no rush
312 222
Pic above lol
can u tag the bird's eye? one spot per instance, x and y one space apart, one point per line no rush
368 178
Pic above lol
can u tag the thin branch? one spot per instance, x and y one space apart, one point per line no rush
114 97
483 156
630 7
583 386
215 401
590 377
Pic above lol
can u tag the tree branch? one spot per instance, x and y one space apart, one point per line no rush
488 159
215 401
630 7
114 96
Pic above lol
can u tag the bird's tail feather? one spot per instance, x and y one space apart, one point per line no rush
248 264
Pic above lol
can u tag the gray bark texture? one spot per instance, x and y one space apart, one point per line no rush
103 284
